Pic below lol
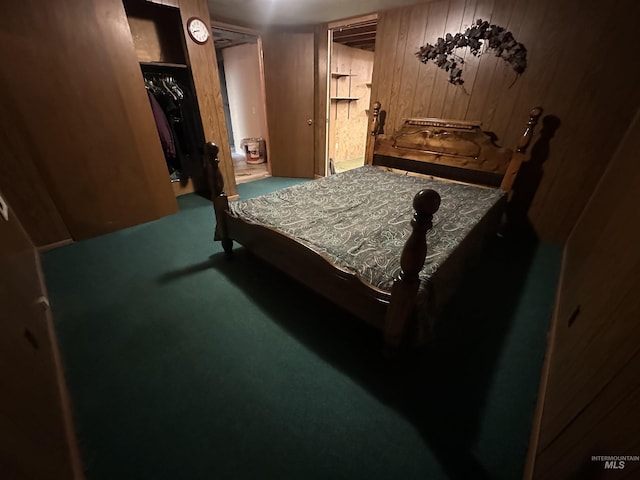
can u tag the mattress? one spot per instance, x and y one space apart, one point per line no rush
360 220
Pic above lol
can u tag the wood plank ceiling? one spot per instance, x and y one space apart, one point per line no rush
362 35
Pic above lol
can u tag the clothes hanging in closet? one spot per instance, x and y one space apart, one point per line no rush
162 124
176 116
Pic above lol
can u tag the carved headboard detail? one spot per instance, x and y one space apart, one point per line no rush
454 149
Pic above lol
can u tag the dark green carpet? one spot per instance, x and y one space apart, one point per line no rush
181 364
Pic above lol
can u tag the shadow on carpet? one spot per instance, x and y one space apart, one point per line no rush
182 364
493 331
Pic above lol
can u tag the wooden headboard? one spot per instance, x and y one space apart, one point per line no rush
453 149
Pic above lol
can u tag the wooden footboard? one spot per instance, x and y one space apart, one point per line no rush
390 312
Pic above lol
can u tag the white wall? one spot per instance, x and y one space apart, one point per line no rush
246 101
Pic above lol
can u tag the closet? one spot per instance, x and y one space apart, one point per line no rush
77 142
160 47
81 152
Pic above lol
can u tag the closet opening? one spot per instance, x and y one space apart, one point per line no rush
351 53
175 110
160 47
239 54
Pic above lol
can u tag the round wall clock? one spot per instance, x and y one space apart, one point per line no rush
198 30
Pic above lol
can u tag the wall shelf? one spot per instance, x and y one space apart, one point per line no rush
339 75
343 98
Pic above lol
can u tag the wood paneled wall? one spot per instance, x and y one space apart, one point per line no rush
577 71
592 388
36 433
204 68
22 183
156 32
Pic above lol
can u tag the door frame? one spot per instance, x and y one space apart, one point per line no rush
331 26
250 31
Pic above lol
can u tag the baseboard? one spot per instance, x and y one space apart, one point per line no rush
50 246
63 393
182 189
544 377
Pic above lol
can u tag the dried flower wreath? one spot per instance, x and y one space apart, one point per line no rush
499 40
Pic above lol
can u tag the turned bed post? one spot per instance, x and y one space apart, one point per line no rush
375 120
218 197
521 149
405 288
374 130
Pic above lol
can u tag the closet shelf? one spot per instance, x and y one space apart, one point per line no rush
163 64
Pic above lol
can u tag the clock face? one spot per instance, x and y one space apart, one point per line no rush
198 30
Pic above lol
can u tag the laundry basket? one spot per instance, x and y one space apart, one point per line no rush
255 150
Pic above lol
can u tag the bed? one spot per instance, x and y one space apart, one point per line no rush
388 241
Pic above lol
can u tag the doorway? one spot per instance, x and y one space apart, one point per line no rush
351 53
239 54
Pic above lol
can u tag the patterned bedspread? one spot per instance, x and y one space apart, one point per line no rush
360 219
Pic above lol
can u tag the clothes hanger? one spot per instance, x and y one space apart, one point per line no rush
175 87
168 89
